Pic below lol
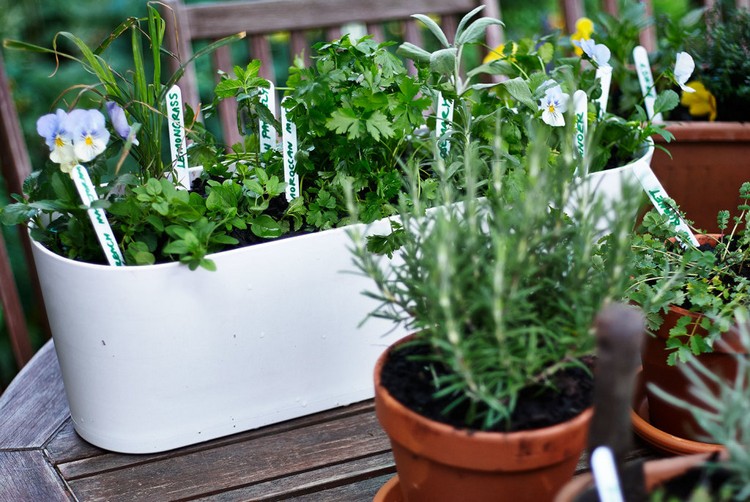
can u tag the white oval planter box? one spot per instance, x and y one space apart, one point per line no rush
157 357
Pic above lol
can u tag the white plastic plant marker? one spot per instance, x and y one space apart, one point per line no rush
289 152
580 109
443 124
177 142
267 131
605 475
604 76
104 233
659 197
646 79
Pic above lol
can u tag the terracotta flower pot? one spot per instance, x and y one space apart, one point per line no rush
708 164
722 362
437 462
656 472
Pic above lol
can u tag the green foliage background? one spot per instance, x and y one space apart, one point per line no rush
35 93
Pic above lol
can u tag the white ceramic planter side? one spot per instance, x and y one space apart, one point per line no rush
158 357
609 184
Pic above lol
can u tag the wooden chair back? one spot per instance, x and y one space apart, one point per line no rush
188 24
572 10
16 166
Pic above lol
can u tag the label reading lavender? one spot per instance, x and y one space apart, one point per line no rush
177 143
107 240
267 131
646 79
580 109
443 124
289 152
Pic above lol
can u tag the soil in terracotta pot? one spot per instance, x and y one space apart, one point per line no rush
410 382
682 487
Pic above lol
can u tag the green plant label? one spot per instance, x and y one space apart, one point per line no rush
443 124
646 79
604 76
289 152
267 131
660 200
104 233
580 109
177 143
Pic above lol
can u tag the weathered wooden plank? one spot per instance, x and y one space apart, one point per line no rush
34 405
238 464
358 479
67 447
26 475
225 18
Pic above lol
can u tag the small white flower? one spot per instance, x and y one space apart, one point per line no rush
598 53
53 128
553 106
683 68
90 136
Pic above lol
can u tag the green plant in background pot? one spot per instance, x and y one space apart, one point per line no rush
690 296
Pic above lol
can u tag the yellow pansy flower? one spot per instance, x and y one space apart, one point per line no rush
499 53
699 103
584 30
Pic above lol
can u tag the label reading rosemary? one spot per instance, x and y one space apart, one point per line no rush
646 79
177 143
660 199
267 131
443 124
107 240
289 152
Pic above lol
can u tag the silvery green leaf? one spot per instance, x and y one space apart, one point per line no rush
520 91
443 61
465 20
476 30
434 28
413 52
484 86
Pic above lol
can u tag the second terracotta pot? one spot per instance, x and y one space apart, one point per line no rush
437 462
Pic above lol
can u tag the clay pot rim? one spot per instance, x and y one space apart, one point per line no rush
484 444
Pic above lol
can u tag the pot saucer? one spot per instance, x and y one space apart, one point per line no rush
389 492
658 439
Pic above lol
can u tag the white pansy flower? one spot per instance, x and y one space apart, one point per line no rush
683 69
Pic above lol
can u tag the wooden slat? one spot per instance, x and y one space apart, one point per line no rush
352 479
234 465
227 107
25 476
178 39
66 447
216 20
33 406
15 319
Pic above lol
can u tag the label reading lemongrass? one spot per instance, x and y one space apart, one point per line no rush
177 143
289 152
605 475
267 131
604 76
107 240
580 109
646 79
443 124
660 199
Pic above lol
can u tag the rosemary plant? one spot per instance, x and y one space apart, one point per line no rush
502 289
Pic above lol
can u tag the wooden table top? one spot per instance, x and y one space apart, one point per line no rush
337 455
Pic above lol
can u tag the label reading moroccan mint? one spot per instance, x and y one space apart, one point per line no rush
267 131
177 142
289 152
660 199
646 79
107 240
443 124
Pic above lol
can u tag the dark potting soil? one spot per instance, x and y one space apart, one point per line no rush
410 381
682 487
